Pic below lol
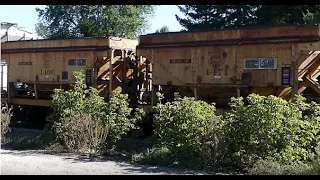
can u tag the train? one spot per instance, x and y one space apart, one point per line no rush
215 65
36 67
210 65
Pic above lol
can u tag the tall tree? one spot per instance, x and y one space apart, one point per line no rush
223 16
164 29
42 30
312 18
216 16
64 21
284 14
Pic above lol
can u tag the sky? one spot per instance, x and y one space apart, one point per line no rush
26 16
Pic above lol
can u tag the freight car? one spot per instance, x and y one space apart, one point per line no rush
211 65
37 67
215 65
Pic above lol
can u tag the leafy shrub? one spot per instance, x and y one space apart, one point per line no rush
79 98
117 119
80 132
189 129
114 115
6 114
270 128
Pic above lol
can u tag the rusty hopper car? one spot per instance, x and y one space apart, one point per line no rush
218 64
37 67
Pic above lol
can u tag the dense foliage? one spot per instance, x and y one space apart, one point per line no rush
188 128
271 128
312 18
113 116
267 133
164 29
65 21
232 16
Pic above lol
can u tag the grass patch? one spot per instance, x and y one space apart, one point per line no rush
162 156
126 147
264 167
154 156
24 142
133 145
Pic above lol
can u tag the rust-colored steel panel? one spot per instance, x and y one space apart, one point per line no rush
44 65
218 64
231 34
250 59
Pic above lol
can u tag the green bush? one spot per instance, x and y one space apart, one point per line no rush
81 133
117 119
79 98
189 129
270 128
6 114
113 115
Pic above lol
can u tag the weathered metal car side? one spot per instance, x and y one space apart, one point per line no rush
37 67
218 64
